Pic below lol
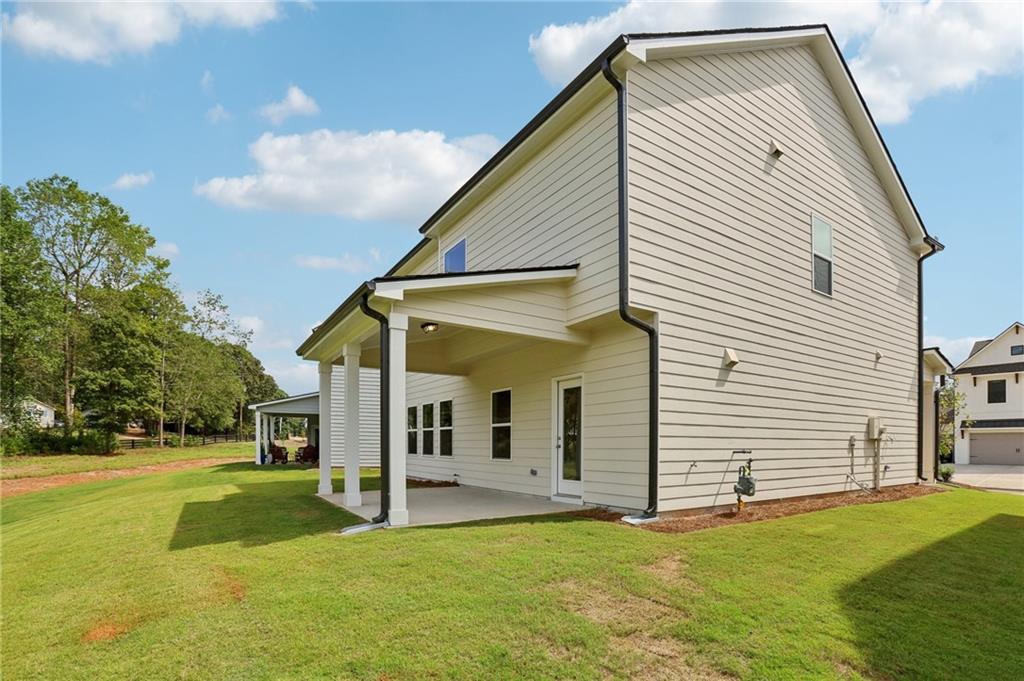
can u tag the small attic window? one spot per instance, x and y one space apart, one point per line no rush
455 258
1017 349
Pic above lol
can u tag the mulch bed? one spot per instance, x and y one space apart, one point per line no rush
418 482
676 524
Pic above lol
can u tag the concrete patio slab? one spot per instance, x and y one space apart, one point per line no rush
996 478
446 505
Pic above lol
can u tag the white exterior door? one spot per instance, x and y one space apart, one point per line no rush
569 437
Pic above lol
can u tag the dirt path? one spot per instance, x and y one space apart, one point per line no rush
16 486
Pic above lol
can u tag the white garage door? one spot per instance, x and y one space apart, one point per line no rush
997 448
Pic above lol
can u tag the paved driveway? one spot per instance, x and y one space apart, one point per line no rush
1001 478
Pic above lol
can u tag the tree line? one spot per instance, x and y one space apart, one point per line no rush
91 323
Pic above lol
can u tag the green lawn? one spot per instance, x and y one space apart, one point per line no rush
238 572
56 464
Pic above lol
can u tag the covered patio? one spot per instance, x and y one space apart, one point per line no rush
268 415
448 505
442 325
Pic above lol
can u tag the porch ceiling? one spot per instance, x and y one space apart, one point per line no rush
478 313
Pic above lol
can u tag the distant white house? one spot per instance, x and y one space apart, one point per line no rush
42 413
991 380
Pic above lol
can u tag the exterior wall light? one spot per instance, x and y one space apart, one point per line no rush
429 327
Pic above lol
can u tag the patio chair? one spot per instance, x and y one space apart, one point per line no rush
278 454
308 454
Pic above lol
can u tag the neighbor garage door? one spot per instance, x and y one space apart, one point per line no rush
998 448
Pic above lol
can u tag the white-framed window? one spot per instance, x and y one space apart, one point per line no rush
501 424
455 258
444 427
411 431
428 429
821 255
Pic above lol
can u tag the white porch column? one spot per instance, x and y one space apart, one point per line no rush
270 429
266 434
258 420
325 486
398 324
352 494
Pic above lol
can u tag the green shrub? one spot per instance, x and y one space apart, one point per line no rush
53 441
945 473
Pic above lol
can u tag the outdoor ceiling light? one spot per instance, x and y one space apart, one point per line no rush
429 327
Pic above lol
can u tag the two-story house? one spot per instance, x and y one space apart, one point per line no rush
991 380
699 253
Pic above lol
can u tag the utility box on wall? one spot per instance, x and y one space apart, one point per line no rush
875 428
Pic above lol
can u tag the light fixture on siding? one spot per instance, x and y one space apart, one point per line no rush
730 358
878 355
774 150
429 327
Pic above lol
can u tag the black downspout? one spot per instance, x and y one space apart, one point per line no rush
624 313
936 247
385 404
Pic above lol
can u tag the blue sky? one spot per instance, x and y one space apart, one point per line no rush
185 117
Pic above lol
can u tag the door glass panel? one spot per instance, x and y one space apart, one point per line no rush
571 432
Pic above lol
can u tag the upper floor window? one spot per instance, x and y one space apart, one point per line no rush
1017 349
997 391
821 255
455 258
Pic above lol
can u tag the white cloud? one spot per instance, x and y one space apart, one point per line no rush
955 349
380 175
262 338
375 254
905 53
133 180
346 263
294 378
166 249
100 31
218 114
295 103
206 82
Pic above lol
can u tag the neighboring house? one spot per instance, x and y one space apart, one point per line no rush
43 414
307 406
699 248
991 379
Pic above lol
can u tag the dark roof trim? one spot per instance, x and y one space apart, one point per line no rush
594 68
352 301
992 369
339 313
456 275
408 256
937 351
994 423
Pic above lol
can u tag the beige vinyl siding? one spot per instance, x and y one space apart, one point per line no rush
721 250
614 369
557 208
369 417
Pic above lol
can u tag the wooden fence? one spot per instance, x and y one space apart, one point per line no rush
191 440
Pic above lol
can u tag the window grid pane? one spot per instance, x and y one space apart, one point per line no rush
997 391
501 407
822 275
455 258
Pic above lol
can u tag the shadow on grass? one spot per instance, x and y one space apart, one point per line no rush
953 610
258 514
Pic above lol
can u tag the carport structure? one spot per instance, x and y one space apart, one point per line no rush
268 415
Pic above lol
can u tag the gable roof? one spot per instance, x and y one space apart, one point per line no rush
979 346
644 46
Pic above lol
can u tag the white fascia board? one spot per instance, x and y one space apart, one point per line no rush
646 49
395 290
842 85
283 400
